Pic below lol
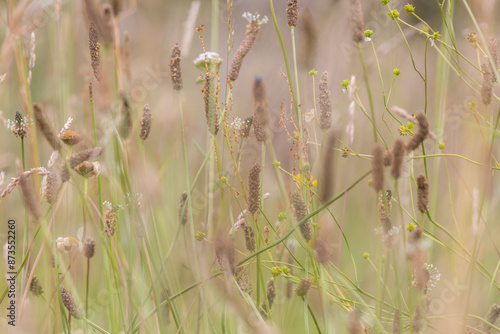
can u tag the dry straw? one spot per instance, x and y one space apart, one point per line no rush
253 29
74 309
175 67
301 212
357 22
146 121
254 188
292 13
422 193
325 106
183 217
45 126
95 51
378 167
423 131
398 152
210 98
260 111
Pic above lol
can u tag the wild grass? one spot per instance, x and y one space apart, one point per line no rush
238 192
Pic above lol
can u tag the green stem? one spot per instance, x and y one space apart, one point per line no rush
369 91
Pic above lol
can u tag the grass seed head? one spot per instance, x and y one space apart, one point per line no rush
45 126
260 111
210 98
378 167
325 106
69 302
253 29
487 86
110 222
29 196
89 248
95 51
175 67
310 38
292 13
423 131
398 152
303 287
50 186
225 253
71 138
422 193
301 212
254 188
36 287
146 121
183 218
249 237
354 325
357 21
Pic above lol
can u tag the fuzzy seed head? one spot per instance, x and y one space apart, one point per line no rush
398 152
271 294
225 253
260 111
303 287
126 122
249 237
487 87
45 126
396 327
71 138
492 47
244 280
325 106
29 196
146 121
95 51
357 21
253 29
491 317
378 167
73 308
20 125
89 248
292 13
77 158
175 67
210 98
300 213
422 133
354 325
254 188
36 286
50 186
422 193
183 217
110 222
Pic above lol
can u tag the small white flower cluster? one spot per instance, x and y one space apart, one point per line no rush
237 124
68 245
212 58
255 18
108 205
20 126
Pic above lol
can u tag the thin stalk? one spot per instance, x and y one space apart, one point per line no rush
369 91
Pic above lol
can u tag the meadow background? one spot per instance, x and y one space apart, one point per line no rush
161 273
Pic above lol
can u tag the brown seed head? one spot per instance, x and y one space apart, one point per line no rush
300 213
378 167
126 121
396 328
260 110
183 217
95 51
146 121
354 325
50 186
487 87
36 286
292 13
110 222
175 67
309 40
303 287
45 126
492 47
325 106
254 188
210 98
77 158
398 152
423 131
491 317
271 294
249 237
357 21
225 253
327 167
71 138
89 248
74 309
29 196
422 193
243 280
253 29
